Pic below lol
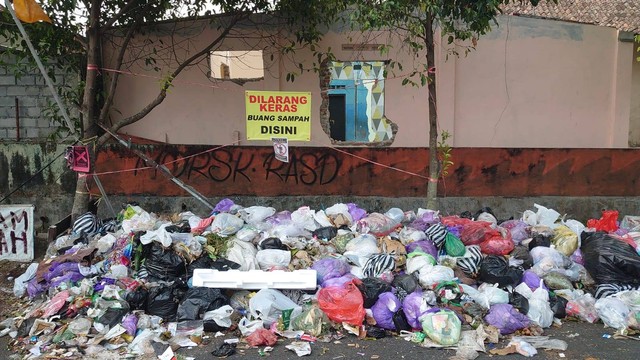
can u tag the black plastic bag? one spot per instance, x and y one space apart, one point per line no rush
609 260
224 350
272 243
496 270
164 264
163 301
181 227
558 306
212 326
205 262
199 300
400 321
540 240
137 298
519 302
325 233
407 282
466 214
371 288
113 316
376 332
522 253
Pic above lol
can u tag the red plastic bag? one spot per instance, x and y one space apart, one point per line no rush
498 245
262 337
342 304
476 232
455 220
608 221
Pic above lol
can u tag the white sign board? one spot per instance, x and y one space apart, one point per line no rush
16 232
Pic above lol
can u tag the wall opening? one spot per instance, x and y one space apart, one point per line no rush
237 65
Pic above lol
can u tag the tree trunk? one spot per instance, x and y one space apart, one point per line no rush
89 108
432 185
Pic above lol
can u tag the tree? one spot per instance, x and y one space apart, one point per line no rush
416 22
83 28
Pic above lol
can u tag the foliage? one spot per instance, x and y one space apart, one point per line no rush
444 153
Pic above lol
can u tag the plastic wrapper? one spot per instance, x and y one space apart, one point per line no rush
613 312
199 300
506 318
342 304
565 240
310 321
262 337
496 270
609 260
371 288
384 309
268 304
442 326
608 221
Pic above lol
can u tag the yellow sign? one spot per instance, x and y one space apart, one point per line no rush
278 114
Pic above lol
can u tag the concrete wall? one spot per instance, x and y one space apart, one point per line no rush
530 83
33 96
634 121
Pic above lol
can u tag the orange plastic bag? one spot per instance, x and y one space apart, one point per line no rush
608 221
342 303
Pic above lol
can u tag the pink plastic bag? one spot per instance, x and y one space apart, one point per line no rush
262 337
342 304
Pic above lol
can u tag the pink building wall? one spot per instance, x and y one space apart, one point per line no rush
529 83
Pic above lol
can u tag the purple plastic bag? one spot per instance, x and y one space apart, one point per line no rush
100 286
384 309
426 246
58 269
338 281
34 288
329 268
532 280
506 318
130 323
279 218
518 230
414 306
455 230
223 206
356 212
423 222
576 257
68 277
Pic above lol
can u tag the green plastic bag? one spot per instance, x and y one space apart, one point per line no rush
442 327
454 246
341 241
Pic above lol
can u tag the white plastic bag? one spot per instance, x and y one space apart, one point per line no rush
247 234
430 275
248 327
408 235
417 262
243 253
160 235
20 283
539 309
221 316
486 295
256 214
613 312
226 224
273 259
303 217
267 305
339 209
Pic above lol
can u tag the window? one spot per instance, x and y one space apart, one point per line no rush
237 65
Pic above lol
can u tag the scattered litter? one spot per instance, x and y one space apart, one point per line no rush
301 348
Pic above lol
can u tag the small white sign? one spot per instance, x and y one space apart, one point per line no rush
281 149
16 232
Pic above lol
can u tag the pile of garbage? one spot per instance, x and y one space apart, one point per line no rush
118 286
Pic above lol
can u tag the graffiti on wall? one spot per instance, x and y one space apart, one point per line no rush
386 172
16 232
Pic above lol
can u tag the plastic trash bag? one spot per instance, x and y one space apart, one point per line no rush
613 312
378 264
522 253
137 298
164 264
414 306
371 288
539 310
384 309
477 232
408 235
273 259
453 245
496 270
130 323
226 224
262 337
329 268
557 281
310 321
221 316
608 221
498 245
431 275
486 295
437 233
243 253
518 229
339 281
425 246
417 260
199 300
609 260
163 301
267 305
442 326
325 233
376 224
558 305
356 212
254 215
248 327
583 307
520 303
532 280
342 304
405 283
565 240
363 245
507 319
20 283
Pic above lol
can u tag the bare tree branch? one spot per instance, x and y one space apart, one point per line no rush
107 24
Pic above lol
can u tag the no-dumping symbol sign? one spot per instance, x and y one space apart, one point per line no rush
281 149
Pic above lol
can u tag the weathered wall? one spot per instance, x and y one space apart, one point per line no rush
32 97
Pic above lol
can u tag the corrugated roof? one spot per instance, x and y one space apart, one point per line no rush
620 14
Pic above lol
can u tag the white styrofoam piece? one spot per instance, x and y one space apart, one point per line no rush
255 279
